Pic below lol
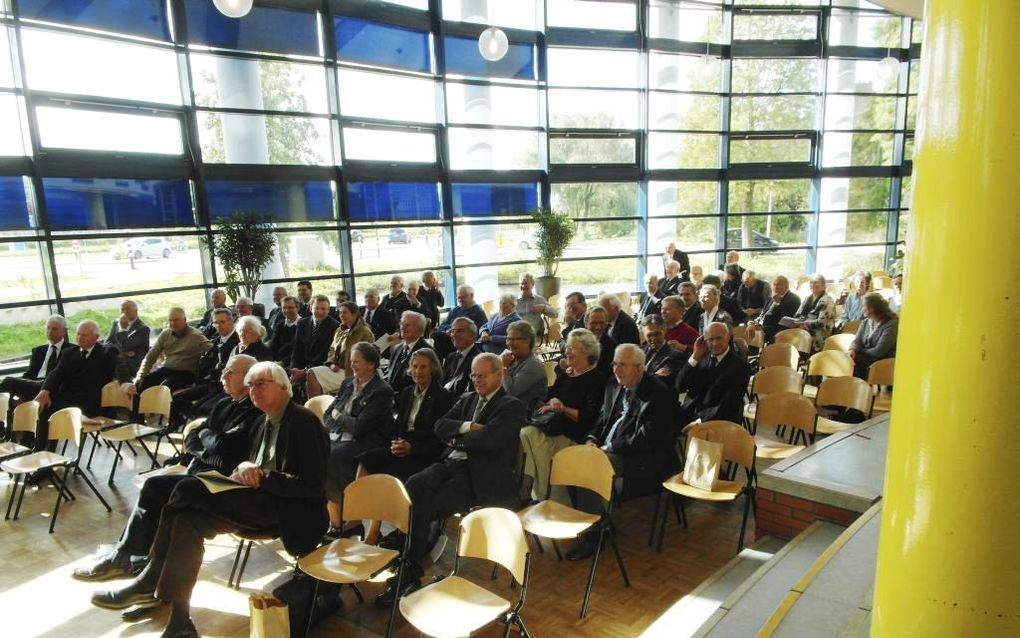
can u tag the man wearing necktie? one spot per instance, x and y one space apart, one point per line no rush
714 378
457 365
479 465
40 364
412 328
312 339
634 430
661 360
284 494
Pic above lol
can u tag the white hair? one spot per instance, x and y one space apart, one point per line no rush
508 297
244 301
241 363
612 300
277 374
466 289
88 323
417 316
250 320
58 319
398 279
495 363
637 355
130 302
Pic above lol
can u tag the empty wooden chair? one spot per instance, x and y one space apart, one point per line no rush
841 392
796 337
65 425
840 342
456 606
880 378
318 405
25 418
550 372
738 451
769 381
779 354
154 401
827 363
587 467
781 410
851 327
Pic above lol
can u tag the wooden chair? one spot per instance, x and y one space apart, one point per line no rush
318 405
5 405
738 451
840 342
490 307
769 381
550 372
796 337
881 282
154 401
842 392
827 363
554 332
780 410
779 354
585 467
850 327
880 376
349 561
625 302
65 425
455 606
111 397
25 417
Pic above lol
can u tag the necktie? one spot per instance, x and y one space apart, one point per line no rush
265 450
368 316
52 362
482 402
625 402
712 363
85 355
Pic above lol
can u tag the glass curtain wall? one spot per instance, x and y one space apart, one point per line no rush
380 142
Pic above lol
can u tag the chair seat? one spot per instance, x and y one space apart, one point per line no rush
828 426
34 462
724 490
810 391
555 520
10 448
883 402
452 608
766 448
130 432
346 560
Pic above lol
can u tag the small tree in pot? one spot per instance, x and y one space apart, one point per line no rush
555 231
243 245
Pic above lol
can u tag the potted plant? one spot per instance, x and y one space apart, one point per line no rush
555 230
243 245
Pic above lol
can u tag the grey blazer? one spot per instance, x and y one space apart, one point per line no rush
527 381
876 342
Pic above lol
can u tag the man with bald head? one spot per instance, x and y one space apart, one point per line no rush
78 379
714 378
130 335
180 347
478 467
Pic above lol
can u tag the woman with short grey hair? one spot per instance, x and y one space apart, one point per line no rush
492 336
524 375
249 334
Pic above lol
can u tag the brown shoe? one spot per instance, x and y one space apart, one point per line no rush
110 567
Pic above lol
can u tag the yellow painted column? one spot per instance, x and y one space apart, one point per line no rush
949 554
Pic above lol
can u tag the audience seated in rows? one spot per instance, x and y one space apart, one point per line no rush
180 348
457 364
714 378
217 300
690 309
712 312
250 339
853 305
305 299
817 313
731 281
649 299
198 399
381 321
412 333
395 302
312 339
729 304
733 259
678 334
282 341
130 336
597 322
753 294
276 314
431 296
680 257
876 336
782 303
621 327
662 360
573 316
41 362
670 283
326 379
492 336
524 375
466 307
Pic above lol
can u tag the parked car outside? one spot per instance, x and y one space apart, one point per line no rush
398 236
758 240
142 248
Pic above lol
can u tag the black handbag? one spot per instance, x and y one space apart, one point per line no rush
551 423
297 593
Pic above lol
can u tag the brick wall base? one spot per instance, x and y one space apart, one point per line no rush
786 516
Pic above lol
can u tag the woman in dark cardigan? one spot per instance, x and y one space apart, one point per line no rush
876 337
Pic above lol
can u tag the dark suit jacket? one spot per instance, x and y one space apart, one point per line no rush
681 258
773 312
644 439
664 357
607 347
459 375
492 450
79 383
624 330
371 419
714 393
213 360
282 342
134 340
298 482
382 321
259 350
577 323
732 306
437 402
275 318
310 348
225 438
396 305
650 305
692 316
39 354
434 300
303 309
396 374
669 287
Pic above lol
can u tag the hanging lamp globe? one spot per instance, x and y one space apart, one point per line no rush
493 44
233 8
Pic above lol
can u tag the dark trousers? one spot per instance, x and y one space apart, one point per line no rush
190 403
24 389
173 379
442 489
588 501
89 407
192 515
342 466
141 526
382 461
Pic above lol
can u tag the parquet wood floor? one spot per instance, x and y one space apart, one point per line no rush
39 598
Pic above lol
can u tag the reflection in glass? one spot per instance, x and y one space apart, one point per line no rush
236 83
683 150
684 72
678 111
767 196
687 22
473 149
752 26
592 150
766 232
574 108
581 14
492 105
769 150
773 113
518 14
601 199
99 204
23 264
397 249
683 198
775 75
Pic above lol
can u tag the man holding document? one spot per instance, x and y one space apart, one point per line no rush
279 490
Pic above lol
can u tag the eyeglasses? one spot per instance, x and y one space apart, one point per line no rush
481 375
260 384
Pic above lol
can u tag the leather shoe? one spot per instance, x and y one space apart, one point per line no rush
111 566
180 630
585 548
411 582
122 598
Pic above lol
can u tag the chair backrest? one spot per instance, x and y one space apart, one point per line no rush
5 404
830 363
879 282
797 337
113 397
26 416
155 400
840 342
851 327
65 424
378 497
847 392
489 306
776 379
738 444
881 372
740 332
554 301
779 354
583 466
786 408
495 534
554 333
318 405
550 372
624 298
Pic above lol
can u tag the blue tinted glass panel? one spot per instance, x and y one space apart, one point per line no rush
141 17
385 45
483 200
97 204
14 212
284 201
463 58
264 29
386 201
